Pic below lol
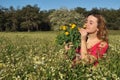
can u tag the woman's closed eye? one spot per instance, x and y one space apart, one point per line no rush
91 23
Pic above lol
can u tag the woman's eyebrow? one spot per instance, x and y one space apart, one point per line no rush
91 21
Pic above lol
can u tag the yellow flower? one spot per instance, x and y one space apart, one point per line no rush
64 27
73 26
79 28
66 33
84 26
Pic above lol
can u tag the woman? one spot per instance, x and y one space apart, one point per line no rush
94 42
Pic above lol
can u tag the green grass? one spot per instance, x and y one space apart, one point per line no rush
35 56
114 32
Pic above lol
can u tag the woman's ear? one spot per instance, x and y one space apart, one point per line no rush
97 29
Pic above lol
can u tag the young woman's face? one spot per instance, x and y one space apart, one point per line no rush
91 24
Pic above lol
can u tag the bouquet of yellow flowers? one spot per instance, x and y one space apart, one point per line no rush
69 35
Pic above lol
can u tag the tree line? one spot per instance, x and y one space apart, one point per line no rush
31 18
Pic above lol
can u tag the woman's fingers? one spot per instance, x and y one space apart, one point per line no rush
67 47
83 32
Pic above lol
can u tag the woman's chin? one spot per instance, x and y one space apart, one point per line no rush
87 31
90 32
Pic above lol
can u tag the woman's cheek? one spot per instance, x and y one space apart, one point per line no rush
88 30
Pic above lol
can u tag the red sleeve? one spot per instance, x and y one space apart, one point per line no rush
102 51
98 51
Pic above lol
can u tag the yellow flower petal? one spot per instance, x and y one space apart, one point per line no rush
64 27
66 33
79 28
84 26
73 26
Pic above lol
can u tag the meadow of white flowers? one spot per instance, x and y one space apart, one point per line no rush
35 56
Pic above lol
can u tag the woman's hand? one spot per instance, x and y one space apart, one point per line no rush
68 46
83 33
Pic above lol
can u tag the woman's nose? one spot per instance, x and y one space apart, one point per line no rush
86 25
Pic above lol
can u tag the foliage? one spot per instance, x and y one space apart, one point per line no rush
34 56
69 35
64 16
30 17
12 19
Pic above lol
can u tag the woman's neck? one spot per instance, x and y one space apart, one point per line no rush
92 37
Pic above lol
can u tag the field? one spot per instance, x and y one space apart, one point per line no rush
35 56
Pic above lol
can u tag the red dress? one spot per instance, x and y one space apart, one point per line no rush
98 50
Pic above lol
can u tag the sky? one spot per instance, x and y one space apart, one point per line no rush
56 4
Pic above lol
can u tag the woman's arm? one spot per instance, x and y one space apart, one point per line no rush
86 57
84 52
83 49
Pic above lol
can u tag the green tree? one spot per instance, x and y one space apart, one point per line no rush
13 19
45 22
81 11
1 19
30 18
64 16
7 20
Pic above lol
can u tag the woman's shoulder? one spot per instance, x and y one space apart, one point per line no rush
103 44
